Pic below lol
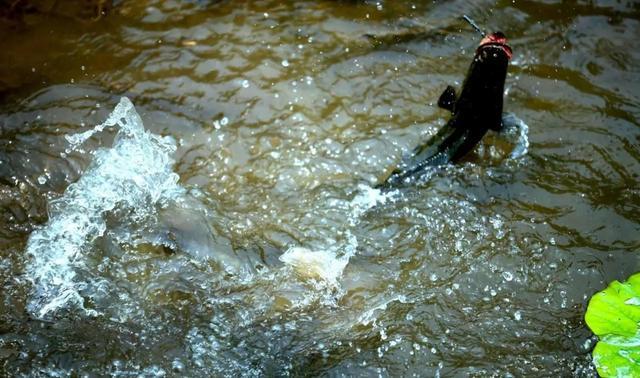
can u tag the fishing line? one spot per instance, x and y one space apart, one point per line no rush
474 25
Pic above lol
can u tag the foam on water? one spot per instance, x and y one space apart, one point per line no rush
133 176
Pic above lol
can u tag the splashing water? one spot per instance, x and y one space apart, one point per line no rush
321 265
328 265
133 176
482 269
517 131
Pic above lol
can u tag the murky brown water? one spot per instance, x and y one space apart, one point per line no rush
285 113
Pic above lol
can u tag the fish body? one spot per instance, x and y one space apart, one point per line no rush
477 109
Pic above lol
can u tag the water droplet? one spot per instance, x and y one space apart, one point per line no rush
177 366
587 344
42 180
285 63
517 315
508 276
245 83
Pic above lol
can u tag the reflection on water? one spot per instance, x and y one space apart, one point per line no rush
274 256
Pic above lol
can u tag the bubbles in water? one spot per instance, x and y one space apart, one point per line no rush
42 179
508 276
245 84
217 124
177 366
285 63
517 315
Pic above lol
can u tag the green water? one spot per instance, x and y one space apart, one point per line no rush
284 114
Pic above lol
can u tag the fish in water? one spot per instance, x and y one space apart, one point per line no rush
477 109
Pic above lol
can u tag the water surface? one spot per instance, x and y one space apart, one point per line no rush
280 117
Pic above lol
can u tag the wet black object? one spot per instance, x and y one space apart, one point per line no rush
476 110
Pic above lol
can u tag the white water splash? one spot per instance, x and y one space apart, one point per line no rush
318 265
366 198
133 176
328 265
518 131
